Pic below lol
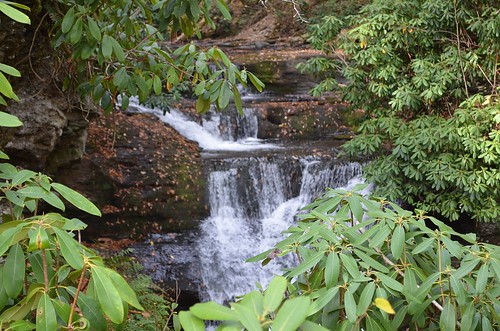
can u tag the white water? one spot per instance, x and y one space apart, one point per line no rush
208 135
230 235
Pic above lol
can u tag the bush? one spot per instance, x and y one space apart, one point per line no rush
424 73
369 264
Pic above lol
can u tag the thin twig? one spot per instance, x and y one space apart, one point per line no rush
33 43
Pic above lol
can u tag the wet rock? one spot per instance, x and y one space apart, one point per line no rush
142 174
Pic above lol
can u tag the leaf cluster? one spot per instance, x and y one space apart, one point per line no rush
367 264
48 279
117 50
425 73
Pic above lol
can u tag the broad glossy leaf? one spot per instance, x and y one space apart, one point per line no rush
9 70
482 278
190 322
292 314
46 319
307 264
107 46
69 249
14 14
76 199
398 241
126 293
350 306
274 293
323 300
14 271
213 311
332 269
371 262
95 31
350 264
447 321
68 20
310 326
253 301
355 207
22 176
107 295
390 282
91 310
365 299
247 317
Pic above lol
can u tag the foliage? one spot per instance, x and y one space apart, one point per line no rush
7 120
45 269
159 307
410 65
123 44
371 265
449 166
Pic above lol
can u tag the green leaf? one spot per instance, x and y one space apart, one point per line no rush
307 264
247 317
190 322
68 20
371 262
253 301
107 295
292 314
14 271
482 278
126 293
323 300
91 311
310 326
95 31
117 49
259 85
76 31
14 14
390 282
332 269
350 306
224 95
466 268
224 9
213 311
350 264
355 207
423 246
46 319
9 121
107 46
6 236
22 176
6 89
447 321
9 70
76 199
69 249
54 200
274 293
398 241
365 299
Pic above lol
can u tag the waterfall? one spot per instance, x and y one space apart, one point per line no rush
242 225
253 196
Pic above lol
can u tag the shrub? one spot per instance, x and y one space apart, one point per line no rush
369 264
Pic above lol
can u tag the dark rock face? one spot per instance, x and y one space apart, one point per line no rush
142 174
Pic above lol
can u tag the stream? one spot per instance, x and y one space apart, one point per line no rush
255 187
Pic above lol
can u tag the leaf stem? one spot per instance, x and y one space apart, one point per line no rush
78 289
45 272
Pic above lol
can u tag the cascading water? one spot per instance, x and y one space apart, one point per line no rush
253 197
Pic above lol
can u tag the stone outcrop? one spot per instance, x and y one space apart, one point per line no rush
142 174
